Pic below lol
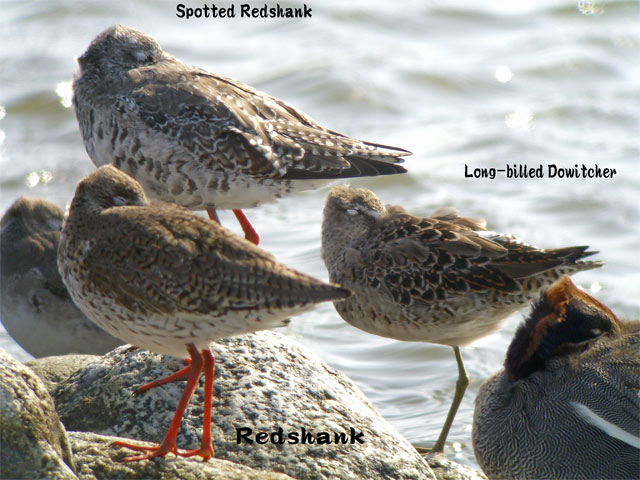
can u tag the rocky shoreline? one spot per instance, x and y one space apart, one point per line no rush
60 416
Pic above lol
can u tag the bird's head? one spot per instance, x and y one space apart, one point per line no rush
564 319
119 49
105 188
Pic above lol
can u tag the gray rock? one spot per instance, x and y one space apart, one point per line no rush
264 382
33 443
55 369
96 457
445 469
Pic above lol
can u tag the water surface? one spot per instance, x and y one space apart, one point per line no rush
482 84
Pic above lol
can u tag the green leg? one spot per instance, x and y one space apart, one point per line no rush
461 387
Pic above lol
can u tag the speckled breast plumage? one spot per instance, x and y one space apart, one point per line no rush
168 334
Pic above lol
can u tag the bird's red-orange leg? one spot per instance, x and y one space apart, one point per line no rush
206 446
182 374
169 443
213 215
249 232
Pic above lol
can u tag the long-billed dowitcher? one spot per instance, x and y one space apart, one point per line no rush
203 141
36 308
162 278
442 279
567 403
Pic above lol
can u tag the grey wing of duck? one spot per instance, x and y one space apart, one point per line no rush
610 403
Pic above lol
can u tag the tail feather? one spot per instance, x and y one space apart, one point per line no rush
526 261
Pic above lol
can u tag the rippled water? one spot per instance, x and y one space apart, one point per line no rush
482 84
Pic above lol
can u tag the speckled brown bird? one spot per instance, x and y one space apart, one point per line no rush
567 403
203 141
35 307
162 278
443 279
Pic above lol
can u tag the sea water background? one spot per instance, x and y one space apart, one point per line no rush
483 84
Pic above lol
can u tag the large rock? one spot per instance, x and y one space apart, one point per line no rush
264 382
445 469
95 455
33 443
55 369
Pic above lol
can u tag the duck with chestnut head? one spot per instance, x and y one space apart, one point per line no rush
567 403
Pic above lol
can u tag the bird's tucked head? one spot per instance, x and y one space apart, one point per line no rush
119 49
347 205
105 188
349 217
31 215
563 320
30 230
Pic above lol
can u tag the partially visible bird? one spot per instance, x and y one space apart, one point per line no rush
36 309
567 403
203 141
162 278
443 279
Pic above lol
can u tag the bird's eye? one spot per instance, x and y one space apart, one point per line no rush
352 211
596 331
143 57
119 201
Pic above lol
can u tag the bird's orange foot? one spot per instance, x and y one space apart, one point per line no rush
152 451
155 450
205 451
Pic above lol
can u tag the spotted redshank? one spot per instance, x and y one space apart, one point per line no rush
36 308
442 279
567 403
203 141
162 278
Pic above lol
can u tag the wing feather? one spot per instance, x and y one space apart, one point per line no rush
215 117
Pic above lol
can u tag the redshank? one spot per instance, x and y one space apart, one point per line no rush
162 278
36 308
442 279
203 141
567 403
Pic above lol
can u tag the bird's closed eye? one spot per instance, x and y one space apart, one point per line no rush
143 57
352 211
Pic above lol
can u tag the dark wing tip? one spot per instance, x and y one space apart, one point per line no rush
358 167
342 293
